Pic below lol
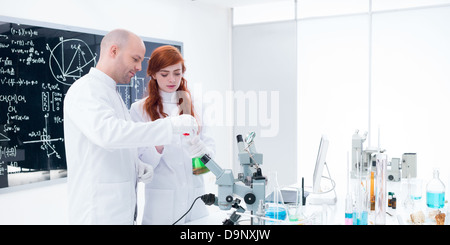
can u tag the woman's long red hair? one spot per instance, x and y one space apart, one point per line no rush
162 57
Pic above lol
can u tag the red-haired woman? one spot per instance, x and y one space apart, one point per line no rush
174 186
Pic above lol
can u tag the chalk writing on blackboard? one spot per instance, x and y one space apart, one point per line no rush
38 64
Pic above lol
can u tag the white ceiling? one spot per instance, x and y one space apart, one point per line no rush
236 3
331 4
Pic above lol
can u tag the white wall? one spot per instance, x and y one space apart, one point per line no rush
205 32
333 90
255 48
44 204
409 79
409 86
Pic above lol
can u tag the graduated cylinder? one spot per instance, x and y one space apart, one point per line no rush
381 189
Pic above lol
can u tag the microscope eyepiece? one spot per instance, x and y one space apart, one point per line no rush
205 159
239 138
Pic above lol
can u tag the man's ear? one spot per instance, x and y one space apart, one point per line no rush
113 51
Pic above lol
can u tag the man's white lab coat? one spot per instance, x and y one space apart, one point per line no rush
101 149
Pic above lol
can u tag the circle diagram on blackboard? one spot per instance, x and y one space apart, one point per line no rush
70 59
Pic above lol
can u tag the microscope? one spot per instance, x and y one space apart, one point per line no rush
250 184
362 159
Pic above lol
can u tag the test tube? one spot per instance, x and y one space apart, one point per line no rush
360 214
348 199
348 210
372 190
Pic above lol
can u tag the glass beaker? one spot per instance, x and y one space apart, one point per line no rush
293 211
416 189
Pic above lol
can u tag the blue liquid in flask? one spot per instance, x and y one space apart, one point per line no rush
435 191
435 200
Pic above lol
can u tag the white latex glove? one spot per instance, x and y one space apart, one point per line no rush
145 172
184 124
197 147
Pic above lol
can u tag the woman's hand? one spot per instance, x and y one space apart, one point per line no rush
159 148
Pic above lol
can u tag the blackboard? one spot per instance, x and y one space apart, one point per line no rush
38 64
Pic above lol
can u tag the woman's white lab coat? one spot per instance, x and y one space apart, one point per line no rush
101 150
173 188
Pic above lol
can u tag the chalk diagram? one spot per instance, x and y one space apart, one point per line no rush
46 140
70 59
3 137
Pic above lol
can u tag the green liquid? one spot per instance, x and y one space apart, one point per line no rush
198 167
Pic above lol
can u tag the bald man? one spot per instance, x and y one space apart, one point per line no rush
101 140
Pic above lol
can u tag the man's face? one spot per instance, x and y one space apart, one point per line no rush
129 60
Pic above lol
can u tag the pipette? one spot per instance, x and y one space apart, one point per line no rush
348 199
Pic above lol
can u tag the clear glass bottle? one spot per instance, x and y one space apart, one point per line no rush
435 191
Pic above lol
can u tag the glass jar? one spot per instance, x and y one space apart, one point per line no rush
435 191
